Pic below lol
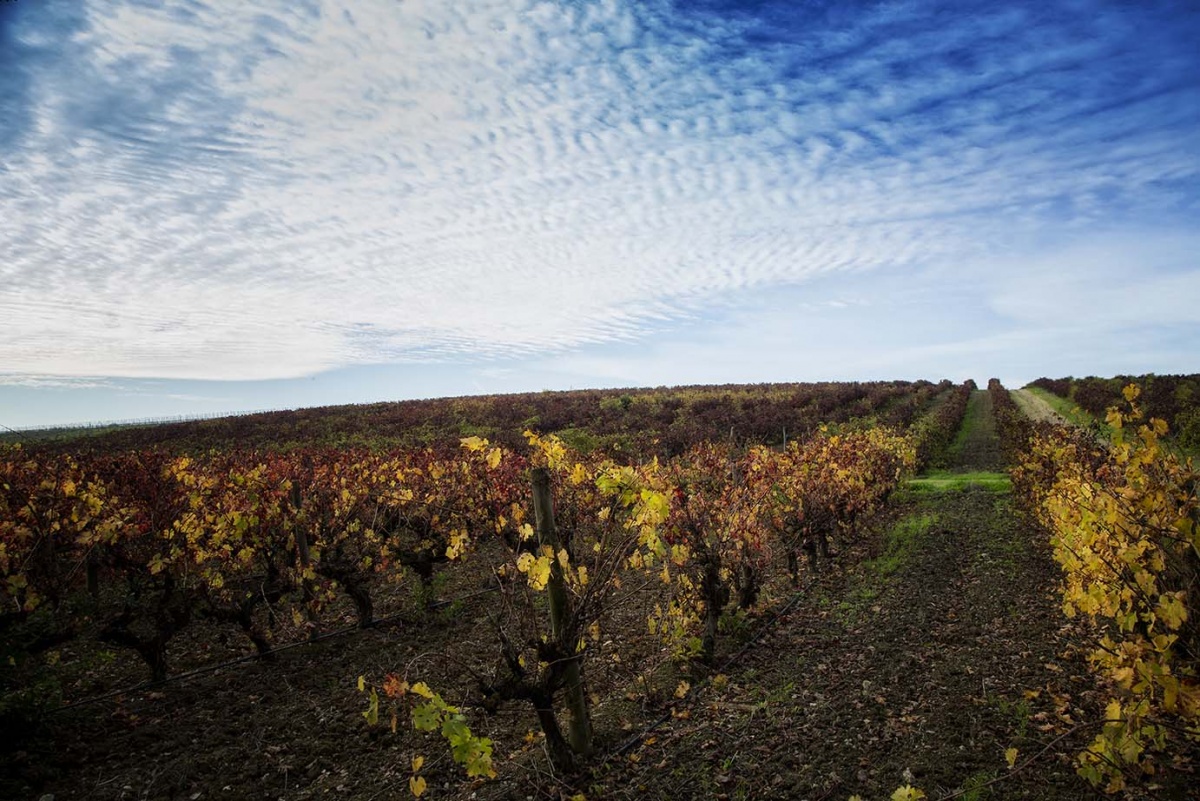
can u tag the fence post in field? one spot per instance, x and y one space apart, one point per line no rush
580 731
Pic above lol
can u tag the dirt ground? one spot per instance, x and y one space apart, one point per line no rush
924 676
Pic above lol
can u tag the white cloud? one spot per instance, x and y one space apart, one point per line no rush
51 382
231 191
1106 284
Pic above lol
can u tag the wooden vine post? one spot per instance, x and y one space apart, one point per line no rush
305 562
580 730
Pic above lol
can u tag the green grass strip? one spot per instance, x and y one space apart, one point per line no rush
972 418
947 481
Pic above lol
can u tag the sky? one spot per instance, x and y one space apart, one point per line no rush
222 206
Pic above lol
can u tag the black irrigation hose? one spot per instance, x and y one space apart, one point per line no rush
635 739
145 685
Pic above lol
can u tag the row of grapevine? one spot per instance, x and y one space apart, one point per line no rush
1123 519
662 421
1175 399
221 536
703 526
933 432
706 524
145 542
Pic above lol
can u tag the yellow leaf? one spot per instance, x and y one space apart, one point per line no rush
1112 713
1171 610
907 793
493 458
417 762
682 689
422 689
459 540
1010 756
474 444
537 568
362 684
540 574
372 713
416 785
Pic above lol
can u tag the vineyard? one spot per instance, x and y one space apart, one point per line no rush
1174 399
663 421
783 591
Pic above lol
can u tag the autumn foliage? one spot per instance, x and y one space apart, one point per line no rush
1124 522
268 541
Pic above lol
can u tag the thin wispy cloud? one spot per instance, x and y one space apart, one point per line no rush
52 382
255 191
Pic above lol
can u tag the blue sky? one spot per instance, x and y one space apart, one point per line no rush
217 206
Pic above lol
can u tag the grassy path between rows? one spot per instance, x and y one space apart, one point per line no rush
941 649
1039 405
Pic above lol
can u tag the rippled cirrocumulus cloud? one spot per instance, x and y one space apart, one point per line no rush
226 190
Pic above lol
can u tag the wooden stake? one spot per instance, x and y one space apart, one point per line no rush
580 730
